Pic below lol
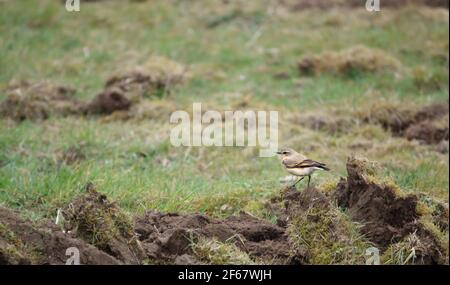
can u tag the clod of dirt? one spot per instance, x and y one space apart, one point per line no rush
442 147
392 117
386 215
418 248
439 211
145 110
156 77
332 124
292 203
38 101
108 102
101 223
428 124
314 224
212 251
22 242
166 237
349 62
430 132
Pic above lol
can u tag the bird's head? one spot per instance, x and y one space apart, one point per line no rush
286 152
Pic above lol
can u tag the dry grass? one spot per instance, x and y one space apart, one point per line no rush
211 251
350 62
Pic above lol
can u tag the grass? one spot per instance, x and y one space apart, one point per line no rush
211 251
330 237
235 49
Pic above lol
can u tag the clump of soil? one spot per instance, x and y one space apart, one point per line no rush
107 102
101 223
314 224
349 62
428 124
430 132
387 215
439 211
22 242
293 203
156 77
214 252
166 237
332 124
145 110
416 248
38 101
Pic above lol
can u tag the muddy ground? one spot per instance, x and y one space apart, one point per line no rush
105 235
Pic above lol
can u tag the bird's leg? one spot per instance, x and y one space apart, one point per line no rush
298 181
309 179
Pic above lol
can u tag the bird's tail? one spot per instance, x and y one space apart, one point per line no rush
324 167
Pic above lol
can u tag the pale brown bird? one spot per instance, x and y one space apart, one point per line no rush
299 165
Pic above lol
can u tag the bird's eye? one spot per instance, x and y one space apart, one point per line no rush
285 152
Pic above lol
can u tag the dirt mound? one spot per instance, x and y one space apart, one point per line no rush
101 223
166 237
316 226
38 101
156 77
292 203
122 97
428 124
349 62
332 124
107 102
416 248
430 132
387 216
22 242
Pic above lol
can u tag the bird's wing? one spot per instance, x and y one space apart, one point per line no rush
307 163
291 161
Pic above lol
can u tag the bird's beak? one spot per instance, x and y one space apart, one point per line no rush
278 152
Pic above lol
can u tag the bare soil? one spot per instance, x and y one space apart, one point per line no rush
106 235
428 124
386 216
22 242
167 237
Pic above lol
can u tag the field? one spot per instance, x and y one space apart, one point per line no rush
351 87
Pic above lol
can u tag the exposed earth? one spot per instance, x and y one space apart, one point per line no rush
105 235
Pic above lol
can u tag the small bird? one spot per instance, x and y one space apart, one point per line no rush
299 165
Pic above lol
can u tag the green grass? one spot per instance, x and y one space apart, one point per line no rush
229 49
